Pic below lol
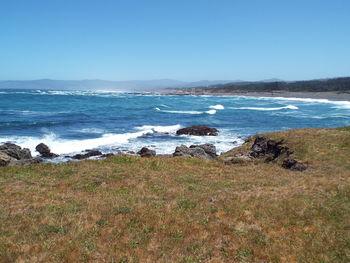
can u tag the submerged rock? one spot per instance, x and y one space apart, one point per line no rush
45 151
198 131
207 151
15 151
145 152
86 155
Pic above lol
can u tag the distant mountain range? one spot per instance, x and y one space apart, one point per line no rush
335 84
133 85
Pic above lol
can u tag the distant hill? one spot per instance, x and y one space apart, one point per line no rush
132 85
323 85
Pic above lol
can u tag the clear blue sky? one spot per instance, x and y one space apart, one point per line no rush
181 39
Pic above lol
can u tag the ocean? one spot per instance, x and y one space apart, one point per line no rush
73 121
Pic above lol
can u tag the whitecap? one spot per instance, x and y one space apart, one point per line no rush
291 107
160 129
217 107
190 112
90 130
211 112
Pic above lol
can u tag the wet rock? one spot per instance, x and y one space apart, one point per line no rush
15 151
207 151
198 131
294 165
45 151
86 155
145 152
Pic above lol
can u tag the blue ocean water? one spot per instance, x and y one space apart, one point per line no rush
72 121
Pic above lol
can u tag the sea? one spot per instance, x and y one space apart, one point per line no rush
71 122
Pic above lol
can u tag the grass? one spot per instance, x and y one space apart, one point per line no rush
130 209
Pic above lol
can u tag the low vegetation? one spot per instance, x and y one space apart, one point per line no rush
339 85
131 209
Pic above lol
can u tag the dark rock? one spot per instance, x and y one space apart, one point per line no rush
45 151
198 131
15 151
265 147
145 152
207 151
294 165
86 155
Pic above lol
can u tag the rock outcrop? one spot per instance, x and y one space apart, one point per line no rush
4 159
45 151
270 149
145 152
13 155
86 155
207 151
265 149
15 151
198 131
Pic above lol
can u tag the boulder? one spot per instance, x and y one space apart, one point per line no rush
207 151
86 155
45 151
25 162
265 147
294 165
4 159
208 148
15 151
198 131
145 152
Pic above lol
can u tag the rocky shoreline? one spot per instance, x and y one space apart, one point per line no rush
260 149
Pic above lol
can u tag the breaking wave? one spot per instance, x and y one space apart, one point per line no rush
291 107
217 107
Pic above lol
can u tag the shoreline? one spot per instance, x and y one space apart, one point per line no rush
303 95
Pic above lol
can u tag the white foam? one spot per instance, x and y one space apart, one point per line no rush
217 107
193 112
156 108
291 107
62 146
160 129
211 112
90 130
339 104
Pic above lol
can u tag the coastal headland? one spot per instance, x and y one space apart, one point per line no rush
243 206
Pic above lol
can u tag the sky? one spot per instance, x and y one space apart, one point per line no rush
186 40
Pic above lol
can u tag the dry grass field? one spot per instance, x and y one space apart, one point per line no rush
130 209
